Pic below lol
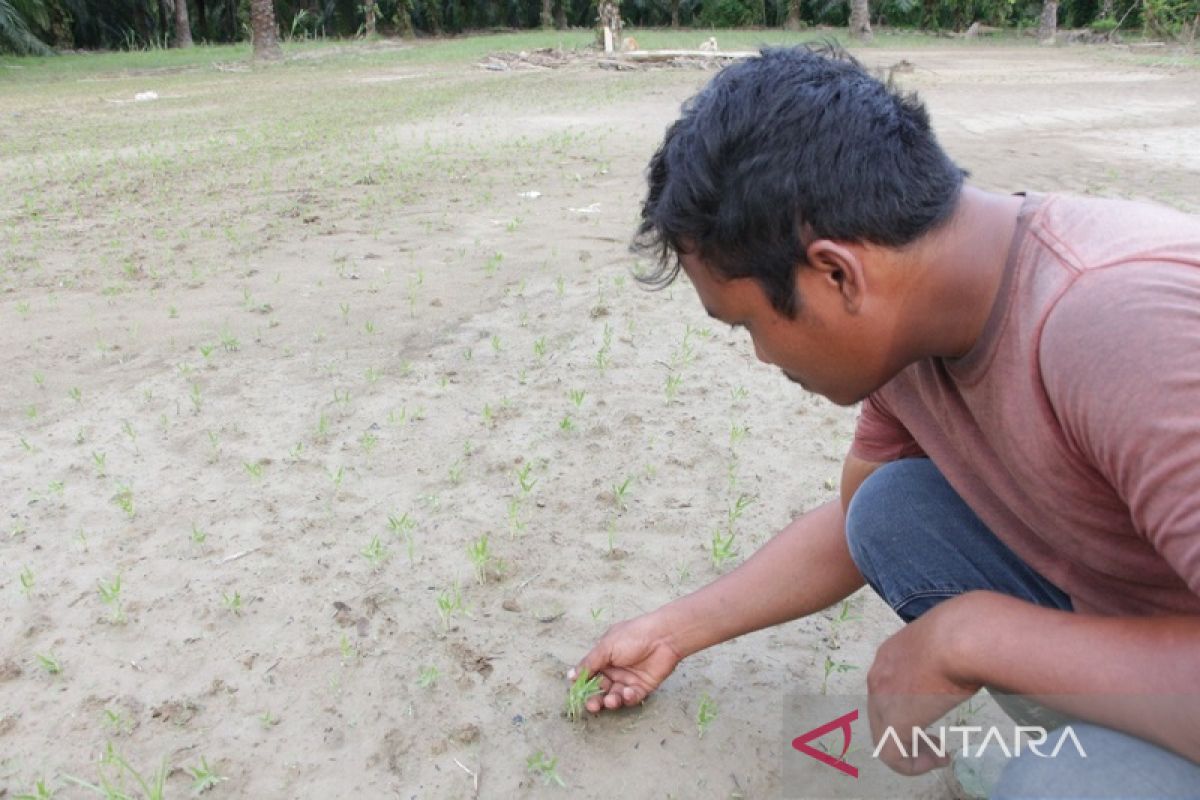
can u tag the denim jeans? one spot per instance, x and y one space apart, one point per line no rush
917 543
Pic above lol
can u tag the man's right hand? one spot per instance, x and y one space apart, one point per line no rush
632 659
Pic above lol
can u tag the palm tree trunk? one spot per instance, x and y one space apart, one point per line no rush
860 20
674 13
793 15
164 20
547 18
1108 9
232 7
262 25
1048 26
183 25
202 19
369 9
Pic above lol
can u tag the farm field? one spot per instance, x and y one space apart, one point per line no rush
336 427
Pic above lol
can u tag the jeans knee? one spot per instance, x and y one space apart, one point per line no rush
871 517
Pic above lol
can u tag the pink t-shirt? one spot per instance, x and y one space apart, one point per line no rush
1072 427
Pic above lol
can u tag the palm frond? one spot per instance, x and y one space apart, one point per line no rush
15 35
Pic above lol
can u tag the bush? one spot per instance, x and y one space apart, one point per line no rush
726 14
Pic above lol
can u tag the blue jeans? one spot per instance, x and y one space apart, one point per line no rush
918 543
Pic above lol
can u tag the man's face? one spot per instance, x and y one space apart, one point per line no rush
826 348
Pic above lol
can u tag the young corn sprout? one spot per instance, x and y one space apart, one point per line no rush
583 688
449 603
481 557
544 767
110 594
705 714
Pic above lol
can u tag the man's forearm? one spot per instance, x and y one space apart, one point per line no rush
1137 674
804 568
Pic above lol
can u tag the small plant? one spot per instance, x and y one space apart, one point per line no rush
267 719
544 767
539 347
124 500
233 602
75 394
198 536
375 552
831 667
26 581
229 342
583 688
455 472
402 527
203 777
49 663
516 525
481 557
524 480
566 424
116 722
737 433
110 594
674 379
722 548
620 492
705 714
577 396
449 603
40 792
428 677
197 400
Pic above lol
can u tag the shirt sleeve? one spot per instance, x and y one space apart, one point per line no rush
1120 357
879 436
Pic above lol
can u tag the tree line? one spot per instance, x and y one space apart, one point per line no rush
44 26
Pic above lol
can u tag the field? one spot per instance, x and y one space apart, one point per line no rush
284 345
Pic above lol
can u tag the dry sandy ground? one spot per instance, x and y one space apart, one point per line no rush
245 324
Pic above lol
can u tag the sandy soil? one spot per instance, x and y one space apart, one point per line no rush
248 323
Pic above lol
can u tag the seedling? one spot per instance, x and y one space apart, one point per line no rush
368 441
620 492
722 548
370 327
832 666
75 394
566 424
40 792
449 603
527 483
345 308
428 677
737 433
322 428
375 552
516 525
203 777
26 581
577 396
402 527
110 594
116 722
560 285
539 347
455 472
705 714
267 719
597 613
584 688
49 663
481 557
496 347
255 469
233 602
194 396
674 379
544 767
228 341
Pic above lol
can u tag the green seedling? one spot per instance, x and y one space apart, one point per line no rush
345 308
516 525
153 788
722 548
545 768
481 557
233 602
206 350
229 342
577 396
268 720
738 508
705 714
597 613
583 688
560 285
455 472
40 792
372 375
496 347
76 394
737 433
25 444
493 264
255 469
402 527
449 603
566 424
831 667
370 327
49 663
524 480
26 581
489 416
375 552
296 451
674 379
116 722
368 441
322 428
428 678
539 348
468 354
341 397
110 595
194 396
620 492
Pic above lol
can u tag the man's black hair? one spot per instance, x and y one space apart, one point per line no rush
791 146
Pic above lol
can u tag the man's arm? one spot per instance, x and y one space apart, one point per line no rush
804 568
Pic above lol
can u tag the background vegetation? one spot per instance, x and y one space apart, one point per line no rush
42 26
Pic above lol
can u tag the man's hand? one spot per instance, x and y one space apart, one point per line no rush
632 659
915 680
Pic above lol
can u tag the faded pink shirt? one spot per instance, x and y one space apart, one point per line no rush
1072 427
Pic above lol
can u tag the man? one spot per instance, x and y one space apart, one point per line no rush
1024 483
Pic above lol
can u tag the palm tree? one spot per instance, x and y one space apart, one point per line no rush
1048 26
262 24
183 25
860 20
17 18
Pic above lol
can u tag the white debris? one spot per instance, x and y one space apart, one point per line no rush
594 208
142 97
532 194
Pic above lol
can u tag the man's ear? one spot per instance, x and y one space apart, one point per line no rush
840 268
